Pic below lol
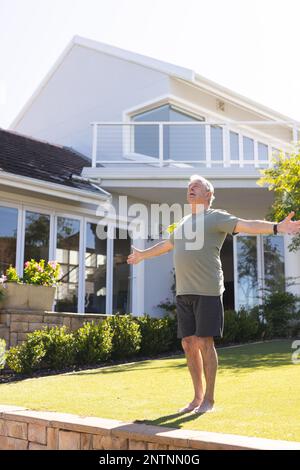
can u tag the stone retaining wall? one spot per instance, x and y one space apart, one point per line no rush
14 325
22 429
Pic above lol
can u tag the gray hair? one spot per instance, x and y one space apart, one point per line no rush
208 185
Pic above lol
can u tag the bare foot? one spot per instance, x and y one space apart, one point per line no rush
205 407
190 407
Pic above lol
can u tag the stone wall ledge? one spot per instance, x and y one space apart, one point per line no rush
16 324
53 430
51 313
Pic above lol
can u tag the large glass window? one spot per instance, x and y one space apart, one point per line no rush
8 237
216 136
146 138
247 276
95 271
37 231
181 142
121 273
263 153
269 262
248 148
67 254
234 146
274 262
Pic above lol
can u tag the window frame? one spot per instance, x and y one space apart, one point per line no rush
260 265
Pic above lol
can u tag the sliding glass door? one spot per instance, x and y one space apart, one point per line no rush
37 235
246 271
95 276
8 237
121 273
259 267
95 271
67 254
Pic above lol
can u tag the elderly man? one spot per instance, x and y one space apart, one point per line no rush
200 285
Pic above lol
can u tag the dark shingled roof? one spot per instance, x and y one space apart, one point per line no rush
26 156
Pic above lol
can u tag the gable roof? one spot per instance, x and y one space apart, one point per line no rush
24 156
187 75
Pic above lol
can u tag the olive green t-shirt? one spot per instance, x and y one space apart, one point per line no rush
200 271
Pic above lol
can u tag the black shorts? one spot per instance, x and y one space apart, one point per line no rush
200 315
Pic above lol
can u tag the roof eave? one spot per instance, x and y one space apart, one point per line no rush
50 189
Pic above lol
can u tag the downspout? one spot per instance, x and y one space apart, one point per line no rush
93 183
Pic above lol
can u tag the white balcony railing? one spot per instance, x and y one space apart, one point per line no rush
192 143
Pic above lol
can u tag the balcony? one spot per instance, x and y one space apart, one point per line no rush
200 144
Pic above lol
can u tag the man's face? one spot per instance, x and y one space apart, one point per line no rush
197 193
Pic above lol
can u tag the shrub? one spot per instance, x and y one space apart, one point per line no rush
157 335
52 348
26 357
230 327
248 325
126 336
278 310
60 347
93 343
172 325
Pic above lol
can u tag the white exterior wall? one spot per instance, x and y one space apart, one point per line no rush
157 280
88 86
207 102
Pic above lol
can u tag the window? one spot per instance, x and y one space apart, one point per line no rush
248 148
216 136
263 153
67 254
121 273
260 265
8 237
37 230
273 246
247 273
234 146
95 271
181 142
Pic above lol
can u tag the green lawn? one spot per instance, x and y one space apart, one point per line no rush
258 393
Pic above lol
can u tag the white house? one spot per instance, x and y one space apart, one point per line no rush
145 127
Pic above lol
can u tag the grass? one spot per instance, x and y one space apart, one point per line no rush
257 393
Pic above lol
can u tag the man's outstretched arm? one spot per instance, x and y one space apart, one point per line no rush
262 226
159 249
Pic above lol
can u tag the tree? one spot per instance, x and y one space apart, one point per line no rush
284 179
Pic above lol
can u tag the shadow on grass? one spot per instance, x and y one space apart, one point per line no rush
256 356
239 359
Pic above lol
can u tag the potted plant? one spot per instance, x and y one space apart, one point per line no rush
41 278
14 293
36 290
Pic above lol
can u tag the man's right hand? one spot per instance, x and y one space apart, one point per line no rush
136 256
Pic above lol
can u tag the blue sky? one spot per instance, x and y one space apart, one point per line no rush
251 46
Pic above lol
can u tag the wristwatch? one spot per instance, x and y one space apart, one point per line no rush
275 229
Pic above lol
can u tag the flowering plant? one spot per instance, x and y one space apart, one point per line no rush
42 273
10 275
3 353
2 285
171 227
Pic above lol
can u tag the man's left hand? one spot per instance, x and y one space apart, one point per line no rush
289 226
